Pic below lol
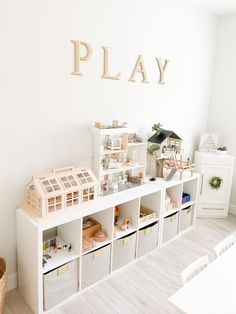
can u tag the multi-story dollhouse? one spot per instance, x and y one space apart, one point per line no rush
59 190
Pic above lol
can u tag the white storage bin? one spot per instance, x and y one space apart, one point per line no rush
170 227
95 265
148 239
186 218
60 283
124 251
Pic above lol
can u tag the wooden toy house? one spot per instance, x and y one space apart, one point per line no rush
60 190
169 141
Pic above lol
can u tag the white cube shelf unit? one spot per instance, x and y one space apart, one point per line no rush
142 234
114 157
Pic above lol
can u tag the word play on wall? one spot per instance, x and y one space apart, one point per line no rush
139 67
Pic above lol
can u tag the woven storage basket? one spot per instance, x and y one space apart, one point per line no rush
3 283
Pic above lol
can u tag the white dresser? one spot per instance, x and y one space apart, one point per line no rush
215 183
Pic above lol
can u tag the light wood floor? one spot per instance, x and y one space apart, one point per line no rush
146 285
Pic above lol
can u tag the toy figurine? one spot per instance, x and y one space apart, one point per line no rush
125 225
116 215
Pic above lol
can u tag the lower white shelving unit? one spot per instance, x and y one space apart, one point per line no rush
72 269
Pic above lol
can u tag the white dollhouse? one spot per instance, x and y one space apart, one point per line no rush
59 190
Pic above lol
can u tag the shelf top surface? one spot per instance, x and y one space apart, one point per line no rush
214 154
109 131
99 204
102 203
174 181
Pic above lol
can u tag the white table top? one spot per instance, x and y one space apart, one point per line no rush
213 291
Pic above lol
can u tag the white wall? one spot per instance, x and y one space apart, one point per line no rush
46 112
223 109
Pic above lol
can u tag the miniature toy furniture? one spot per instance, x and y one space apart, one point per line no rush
117 163
180 165
215 185
141 234
193 269
224 245
61 189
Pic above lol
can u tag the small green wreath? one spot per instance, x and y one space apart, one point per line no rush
215 183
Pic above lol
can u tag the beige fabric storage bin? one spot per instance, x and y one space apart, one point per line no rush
170 227
124 251
60 283
148 239
95 265
186 218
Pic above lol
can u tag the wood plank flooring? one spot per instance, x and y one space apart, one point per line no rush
146 285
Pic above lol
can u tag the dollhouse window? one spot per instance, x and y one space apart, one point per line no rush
50 185
54 203
88 194
72 199
68 181
84 177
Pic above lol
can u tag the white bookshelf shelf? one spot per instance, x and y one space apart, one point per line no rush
30 231
97 245
123 168
184 205
119 234
171 211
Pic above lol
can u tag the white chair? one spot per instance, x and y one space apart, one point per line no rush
193 269
224 245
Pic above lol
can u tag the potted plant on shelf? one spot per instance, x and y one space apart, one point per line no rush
157 128
222 150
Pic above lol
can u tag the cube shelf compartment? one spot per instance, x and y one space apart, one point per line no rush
121 247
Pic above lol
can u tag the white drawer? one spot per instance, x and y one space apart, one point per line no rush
59 284
186 218
170 227
124 251
212 210
95 265
148 239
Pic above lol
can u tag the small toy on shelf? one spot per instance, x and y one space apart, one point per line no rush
172 162
87 244
100 236
125 225
90 226
116 215
92 233
114 125
146 214
169 204
59 190
137 179
185 198
113 143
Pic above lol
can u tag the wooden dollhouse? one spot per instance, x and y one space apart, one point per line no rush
59 190
119 160
169 141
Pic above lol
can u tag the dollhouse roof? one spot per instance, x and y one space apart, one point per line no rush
162 136
57 183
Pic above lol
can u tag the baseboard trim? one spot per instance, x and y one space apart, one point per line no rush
12 281
232 209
